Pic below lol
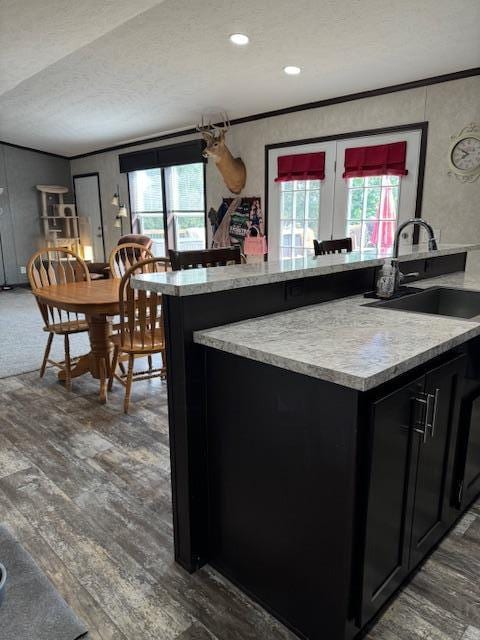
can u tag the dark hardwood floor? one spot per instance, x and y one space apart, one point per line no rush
86 490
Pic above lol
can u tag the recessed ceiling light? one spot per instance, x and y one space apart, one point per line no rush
292 71
239 38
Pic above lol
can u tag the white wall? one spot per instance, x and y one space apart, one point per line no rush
448 204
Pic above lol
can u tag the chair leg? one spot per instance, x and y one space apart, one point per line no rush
150 363
128 387
113 368
122 367
46 354
68 365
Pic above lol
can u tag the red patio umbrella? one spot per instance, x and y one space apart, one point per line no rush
384 228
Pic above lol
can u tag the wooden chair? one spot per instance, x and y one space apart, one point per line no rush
140 330
125 256
101 270
332 246
58 266
204 258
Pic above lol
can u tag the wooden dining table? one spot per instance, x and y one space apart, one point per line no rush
99 302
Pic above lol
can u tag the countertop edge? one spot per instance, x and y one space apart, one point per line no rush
335 376
242 281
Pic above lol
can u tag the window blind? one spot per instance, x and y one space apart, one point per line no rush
146 190
167 156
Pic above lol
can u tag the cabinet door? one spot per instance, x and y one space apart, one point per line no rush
390 494
468 482
433 456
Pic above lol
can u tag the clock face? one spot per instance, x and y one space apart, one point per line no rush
466 154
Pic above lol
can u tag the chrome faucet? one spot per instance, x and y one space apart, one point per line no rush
432 243
432 246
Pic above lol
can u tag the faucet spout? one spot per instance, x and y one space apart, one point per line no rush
432 243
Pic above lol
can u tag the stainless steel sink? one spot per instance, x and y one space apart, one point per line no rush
440 301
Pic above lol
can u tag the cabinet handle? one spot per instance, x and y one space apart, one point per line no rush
433 424
421 427
460 494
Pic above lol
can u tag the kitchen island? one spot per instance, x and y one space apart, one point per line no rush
294 467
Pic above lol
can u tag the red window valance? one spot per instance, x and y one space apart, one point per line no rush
382 159
303 166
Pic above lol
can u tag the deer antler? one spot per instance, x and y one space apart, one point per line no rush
206 130
219 131
226 121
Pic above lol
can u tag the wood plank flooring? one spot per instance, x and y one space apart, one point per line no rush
87 491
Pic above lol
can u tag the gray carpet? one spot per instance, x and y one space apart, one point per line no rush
32 608
22 341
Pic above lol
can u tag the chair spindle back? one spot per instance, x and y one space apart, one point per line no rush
54 266
141 319
125 256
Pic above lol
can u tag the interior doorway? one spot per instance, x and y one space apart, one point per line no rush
86 188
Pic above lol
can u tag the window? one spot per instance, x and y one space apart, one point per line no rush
168 204
305 207
186 206
368 209
299 214
146 205
372 212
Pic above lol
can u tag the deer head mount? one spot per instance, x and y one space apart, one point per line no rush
232 169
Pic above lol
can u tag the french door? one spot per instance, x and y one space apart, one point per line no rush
300 210
367 209
168 205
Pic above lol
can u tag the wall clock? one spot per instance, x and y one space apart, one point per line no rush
464 154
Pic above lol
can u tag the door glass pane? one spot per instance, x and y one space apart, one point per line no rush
286 233
186 206
299 205
286 204
146 190
355 203
146 204
369 235
299 217
313 204
373 203
310 234
372 212
298 234
184 187
151 225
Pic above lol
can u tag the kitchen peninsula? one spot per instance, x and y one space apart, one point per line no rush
298 466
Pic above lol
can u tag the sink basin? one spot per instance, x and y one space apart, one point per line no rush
441 301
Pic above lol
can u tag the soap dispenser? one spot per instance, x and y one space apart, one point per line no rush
386 280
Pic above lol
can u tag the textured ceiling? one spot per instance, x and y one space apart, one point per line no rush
77 76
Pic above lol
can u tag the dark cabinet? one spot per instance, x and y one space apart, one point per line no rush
390 495
433 459
467 485
409 475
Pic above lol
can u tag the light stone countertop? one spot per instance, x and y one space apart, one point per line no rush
199 281
346 342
